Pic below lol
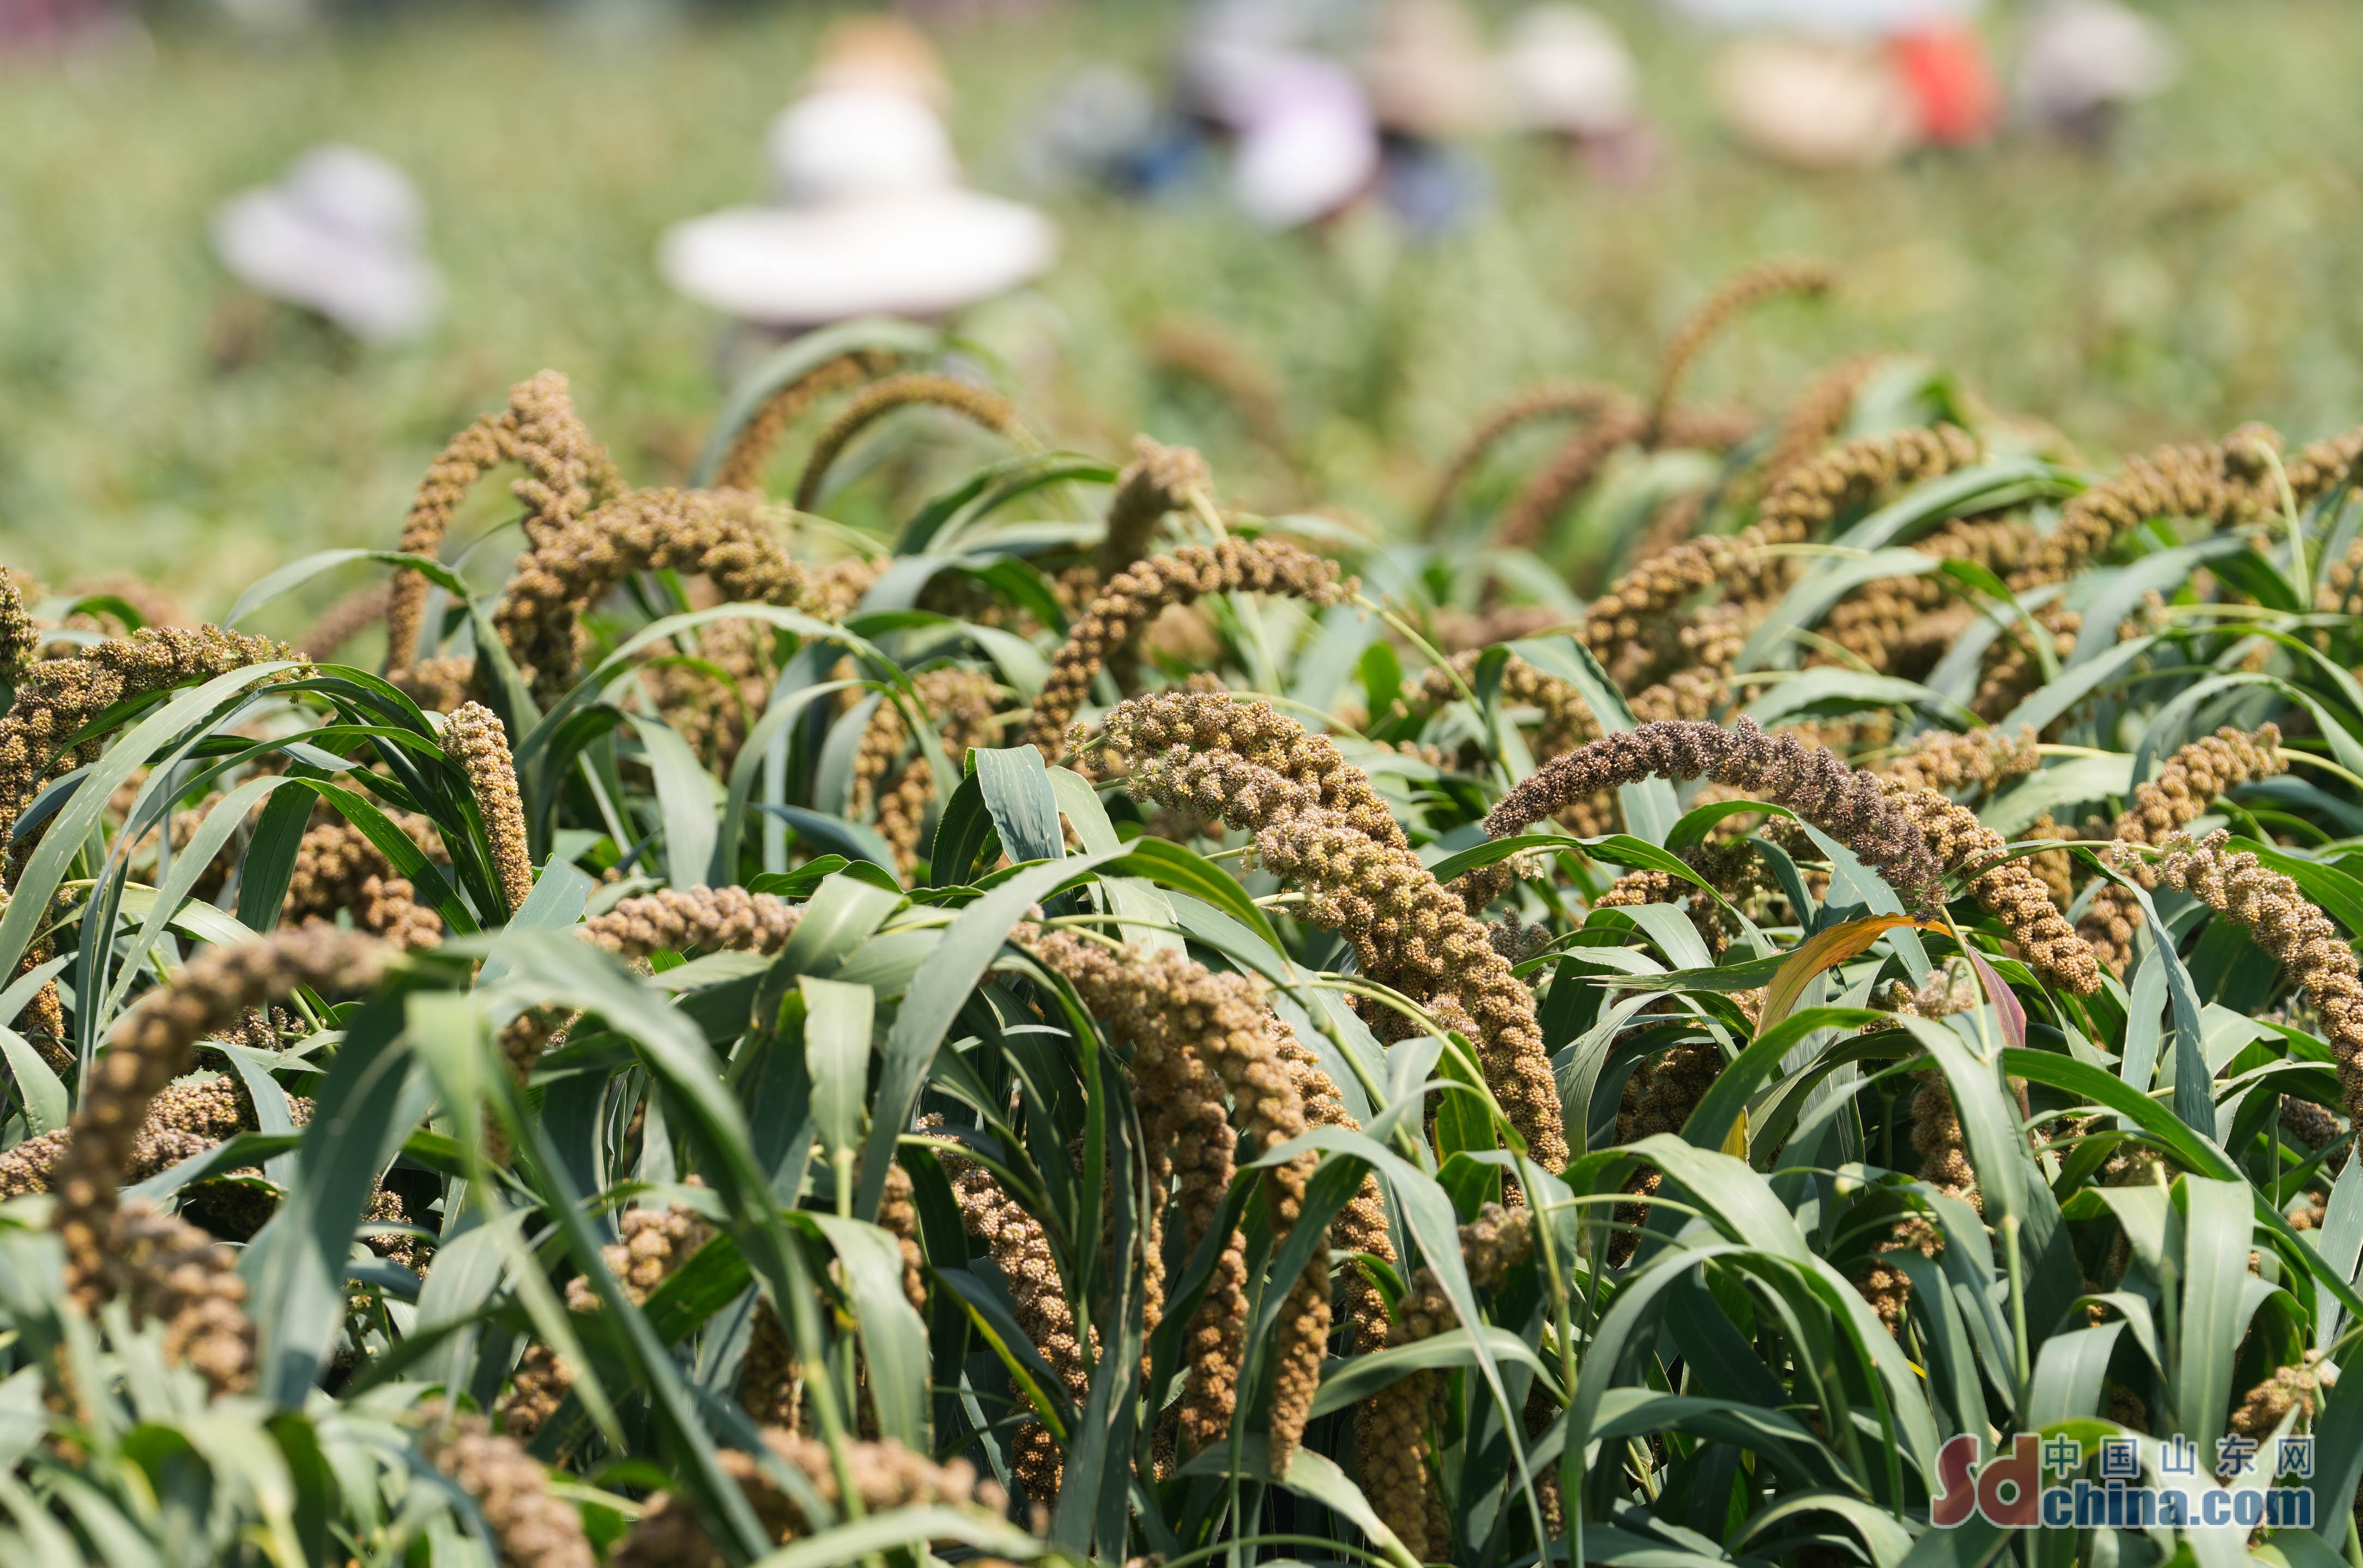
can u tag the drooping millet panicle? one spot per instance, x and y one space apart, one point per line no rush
346 619
1167 1006
2278 919
184 1120
907 389
55 699
1136 596
473 737
1158 480
960 700
680 919
57 696
1021 1249
2216 483
1888 624
1977 761
1408 931
531 1527
1658 1097
886 1477
1819 414
1589 401
2260 1412
718 534
1569 469
1566 719
655 1244
20 641
1396 1476
1793 509
2010 890
1256 733
1844 802
2309 1123
567 472
1765 280
338 868
751 453
109 1249
1730 867
2187 784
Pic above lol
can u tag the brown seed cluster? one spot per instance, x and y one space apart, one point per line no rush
2187 784
1765 280
1565 719
1158 480
1021 1250
169 1271
960 700
751 453
475 738
2216 483
2290 1388
1172 1012
1408 931
2010 890
1798 505
531 1528
338 868
1968 762
910 389
1844 802
20 641
2309 1123
2279 918
680 919
717 534
886 1476
1819 414
1397 1477
566 473
1135 597
1588 401
56 698
153 1046
1569 471
183 1120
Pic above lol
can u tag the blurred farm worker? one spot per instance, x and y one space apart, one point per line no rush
342 234
1567 73
36 26
1104 128
1308 146
2082 61
870 217
1853 83
1431 83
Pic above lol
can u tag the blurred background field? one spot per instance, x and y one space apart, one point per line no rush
2202 271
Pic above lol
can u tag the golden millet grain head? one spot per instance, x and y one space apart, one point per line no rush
1135 597
152 1046
1844 802
20 643
751 453
2011 891
532 1528
475 738
1158 480
1589 401
880 398
1980 759
1764 280
678 919
2187 784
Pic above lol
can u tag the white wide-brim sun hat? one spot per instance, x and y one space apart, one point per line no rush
338 234
920 253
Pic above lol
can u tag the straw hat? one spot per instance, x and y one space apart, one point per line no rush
1568 72
1831 19
872 220
341 233
1819 106
1427 70
1308 145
